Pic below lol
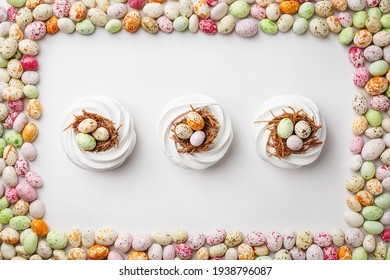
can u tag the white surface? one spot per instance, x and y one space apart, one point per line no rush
148 191
276 105
175 111
112 109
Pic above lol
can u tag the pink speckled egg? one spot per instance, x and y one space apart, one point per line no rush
356 145
354 237
29 63
356 56
297 254
114 256
26 192
16 105
382 172
34 179
123 242
345 19
29 152
274 241
372 3
212 3
361 76
247 27
165 24
196 240
35 30
386 235
255 238
136 4
9 121
11 195
169 252
61 8
314 252
257 12
183 251
208 26
22 167
323 239
216 236
30 77
330 253
380 102
12 12
373 53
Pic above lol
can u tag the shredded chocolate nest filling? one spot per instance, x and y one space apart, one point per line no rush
101 146
279 145
211 129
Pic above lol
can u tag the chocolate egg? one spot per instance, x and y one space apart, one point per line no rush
195 121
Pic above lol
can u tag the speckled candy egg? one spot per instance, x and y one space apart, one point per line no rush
21 167
101 134
169 252
304 240
28 47
29 63
43 12
34 109
24 17
196 241
61 8
29 152
11 195
201 9
66 25
361 76
294 143
359 103
381 39
98 252
302 129
297 254
35 30
183 251
117 10
319 28
314 252
380 103
8 48
274 241
356 5
26 192
183 131
382 172
376 85
330 253
132 21
363 38
202 254
289 239
105 236
17 105
255 238
334 24
85 141
123 242
247 27
208 26
359 125
257 12
37 209
373 25
153 10
345 19
285 22
354 237
356 145
12 12
78 12
272 11
171 11
356 56
87 126
14 68
195 121
216 236
30 78
323 239
142 242
373 53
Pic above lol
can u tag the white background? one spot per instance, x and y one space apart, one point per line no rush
147 71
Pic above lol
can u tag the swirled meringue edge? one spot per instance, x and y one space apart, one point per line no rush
110 159
261 133
176 110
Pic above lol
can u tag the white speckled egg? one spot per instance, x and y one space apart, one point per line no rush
274 241
20 122
101 134
294 143
14 68
197 138
155 252
373 53
302 129
37 209
354 237
183 131
374 132
117 10
373 148
231 254
106 236
369 243
28 47
29 152
289 239
87 126
338 236
355 162
314 252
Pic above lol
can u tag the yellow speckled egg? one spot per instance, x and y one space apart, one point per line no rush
77 254
34 109
359 125
30 132
195 121
202 254
138 256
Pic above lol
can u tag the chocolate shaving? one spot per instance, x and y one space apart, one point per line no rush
211 129
101 146
279 145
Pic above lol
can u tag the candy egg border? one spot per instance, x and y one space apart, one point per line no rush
29 237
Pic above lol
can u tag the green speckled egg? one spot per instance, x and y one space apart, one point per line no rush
368 170
378 68
300 26
5 216
85 27
372 213
239 9
268 26
359 19
20 222
3 144
373 227
306 10
359 254
13 138
31 91
113 26
375 12
180 23
374 117
285 128
30 243
385 20
17 3
383 201
3 203
85 141
57 240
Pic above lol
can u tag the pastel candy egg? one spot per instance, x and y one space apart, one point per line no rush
117 11
197 138
268 26
380 251
376 85
216 236
306 10
181 23
43 12
381 39
361 76
369 243
255 238
30 132
10 155
245 252
359 103
20 208
285 22
374 187
113 26
355 162
353 219
319 27
57 239
363 38
19 123
61 8
184 252
87 238
297 254
8 48
31 243
247 27
285 128
354 183
34 179
356 5
99 252
323 239
304 240
9 236
359 19
359 254
385 219
274 241
10 178
142 242
338 236
231 254
101 134
385 157
334 24
294 143
85 141
77 254
354 237
383 201
162 237
359 125
219 11
149 25
4 29
66 25
169 252
380 103
372 213
234 238
382 172
179 235
165 24
193 23
239 9
323 8
373 53
26 192
257 12
353 203
20 223
35 30
356 56
21 167
123 242
289 7
171 11
201 9
330 253
226 24
302 129
183 131
24 17
29 151
373 227
379 68
153 10
97 17
272 11
155 252
186 8
386 126
373 117
217 251
373 25
367 170
13 138
85 27
30 77
78 12
314 252
289 239
36 209
11 195
87 126
105 236
14 68
17 105
136 4
3 14
386 235
28 47
196 241
12 12
345 19
373 148
74 237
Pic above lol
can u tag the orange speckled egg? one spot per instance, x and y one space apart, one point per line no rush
75 238
34 109
363 38
245 252
344 253
202 254
51 25
98 252
138 256
32 4
340 5
365 198
40 227
78 11
195 121
132 21
374 187
376 85
289 7
30 132
201 9
15 32
77 254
